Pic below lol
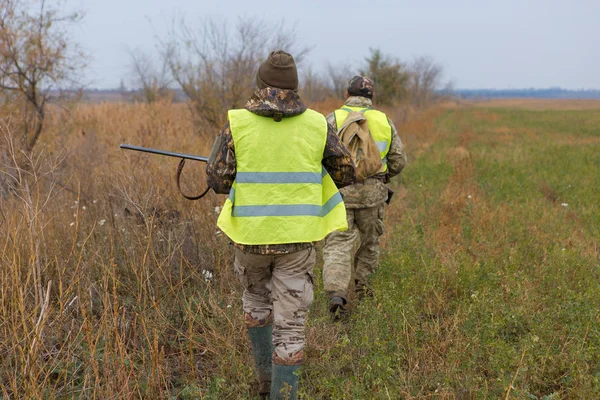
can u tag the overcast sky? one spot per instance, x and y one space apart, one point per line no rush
480 44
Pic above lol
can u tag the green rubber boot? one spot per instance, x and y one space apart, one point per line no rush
285 382
262 349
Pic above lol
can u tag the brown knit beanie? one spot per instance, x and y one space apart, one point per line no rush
279 71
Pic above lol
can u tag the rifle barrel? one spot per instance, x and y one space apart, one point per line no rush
164 153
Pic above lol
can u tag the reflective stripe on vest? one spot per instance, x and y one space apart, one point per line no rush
282 193
379 126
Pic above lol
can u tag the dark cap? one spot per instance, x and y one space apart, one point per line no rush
279 71
360 86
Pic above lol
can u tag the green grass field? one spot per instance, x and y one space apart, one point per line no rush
488 286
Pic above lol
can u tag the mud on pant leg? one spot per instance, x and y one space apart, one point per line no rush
292 296
337 258
254 273
370 223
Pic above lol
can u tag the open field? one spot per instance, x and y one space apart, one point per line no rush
536 104
112 286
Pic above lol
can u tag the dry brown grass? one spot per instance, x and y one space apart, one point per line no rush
104 266
104 290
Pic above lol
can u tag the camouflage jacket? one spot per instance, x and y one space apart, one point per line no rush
274 103
372 192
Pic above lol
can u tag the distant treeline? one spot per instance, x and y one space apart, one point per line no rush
550 93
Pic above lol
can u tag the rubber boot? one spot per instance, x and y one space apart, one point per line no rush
262 349
337 309
285 382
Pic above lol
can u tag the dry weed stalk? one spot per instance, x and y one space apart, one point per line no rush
103 310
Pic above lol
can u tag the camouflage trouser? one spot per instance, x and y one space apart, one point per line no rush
282 284
366 225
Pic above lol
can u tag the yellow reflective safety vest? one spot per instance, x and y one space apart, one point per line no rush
379 126
281 193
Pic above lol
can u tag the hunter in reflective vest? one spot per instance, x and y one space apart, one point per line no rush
280 163
354 253
288 199
379 127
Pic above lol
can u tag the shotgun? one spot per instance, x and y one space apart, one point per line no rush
164 153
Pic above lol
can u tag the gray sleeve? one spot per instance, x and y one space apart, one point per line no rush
396 157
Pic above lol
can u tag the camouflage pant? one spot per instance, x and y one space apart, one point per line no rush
364 225
282 284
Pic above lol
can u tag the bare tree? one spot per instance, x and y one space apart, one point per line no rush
314 87
339 76
37 57
152 82
425 80
216 66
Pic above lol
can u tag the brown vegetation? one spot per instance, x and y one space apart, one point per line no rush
113 286
36 58
105 266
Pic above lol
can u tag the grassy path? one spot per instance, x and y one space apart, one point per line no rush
489 285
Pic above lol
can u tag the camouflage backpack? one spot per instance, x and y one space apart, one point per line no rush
355 135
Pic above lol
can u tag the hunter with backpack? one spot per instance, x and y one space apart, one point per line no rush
378 154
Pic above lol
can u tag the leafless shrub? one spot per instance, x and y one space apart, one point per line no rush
338 78
313 87
425 81
152 82
215 66
37 57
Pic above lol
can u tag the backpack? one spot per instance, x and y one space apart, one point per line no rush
357 138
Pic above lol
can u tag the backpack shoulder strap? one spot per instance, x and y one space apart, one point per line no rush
360 111
353 116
